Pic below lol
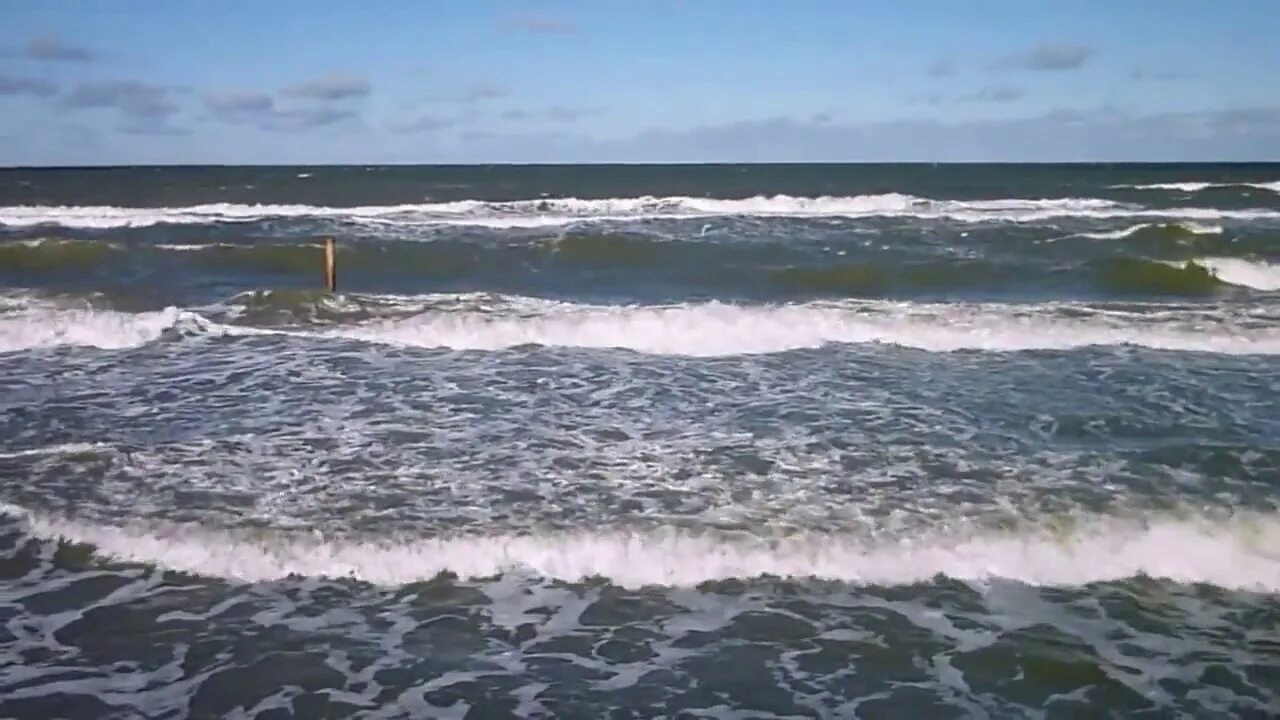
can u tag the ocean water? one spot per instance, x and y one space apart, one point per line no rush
630 442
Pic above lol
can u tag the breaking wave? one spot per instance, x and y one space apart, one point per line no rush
46 327
1134 275
1172 231
491 323
1193 187
1235 552
1244 273
563 211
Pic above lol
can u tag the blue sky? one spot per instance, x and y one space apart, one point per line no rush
323 81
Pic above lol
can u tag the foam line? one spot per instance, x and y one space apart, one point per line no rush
563 211
1233 553
691 329
1192 187
1192 228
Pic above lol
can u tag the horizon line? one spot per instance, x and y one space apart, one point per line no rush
638 163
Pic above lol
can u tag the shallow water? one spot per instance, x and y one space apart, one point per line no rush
878 441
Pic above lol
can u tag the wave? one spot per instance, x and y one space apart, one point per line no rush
1191 277
1134 275
285 307
1235 552
282 258
70 449
47 327
715 329
1171 231
439 256
50 254
564 211
1244 273
47 254
871 279
1193 187
452 322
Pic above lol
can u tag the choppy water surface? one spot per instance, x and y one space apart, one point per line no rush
758 441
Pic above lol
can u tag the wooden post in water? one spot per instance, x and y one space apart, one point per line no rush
330 271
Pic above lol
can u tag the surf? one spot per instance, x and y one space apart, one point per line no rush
551 212
1232 552
483 322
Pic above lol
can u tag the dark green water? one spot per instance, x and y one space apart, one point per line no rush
696 441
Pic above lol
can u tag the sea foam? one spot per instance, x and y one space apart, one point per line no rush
1231 553
1193 187
42 327
1244 273
713 329
1191 228
690 329
563 211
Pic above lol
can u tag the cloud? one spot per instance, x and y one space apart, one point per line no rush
987 94
260 110
314 104
50 48
547 144
308 118
538 24
1144 75
151 127
994 94
943 67
236 103
474 93
426 123
933 98
554 113
1046 57
332 88
144 108
1097 134
1246 120
26 86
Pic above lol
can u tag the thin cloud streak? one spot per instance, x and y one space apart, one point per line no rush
10 85
332 88
51 48
538 24
1046 57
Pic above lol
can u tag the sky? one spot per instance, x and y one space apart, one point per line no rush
93 82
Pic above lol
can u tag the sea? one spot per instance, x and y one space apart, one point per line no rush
713 441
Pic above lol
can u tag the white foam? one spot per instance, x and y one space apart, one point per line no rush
60 449
42 327
1194 228
714 329
1245 273
690 329
55 242
554 212
197 247
1231 553
1192 187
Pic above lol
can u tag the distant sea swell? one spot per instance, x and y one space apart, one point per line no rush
564 211
1181 262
